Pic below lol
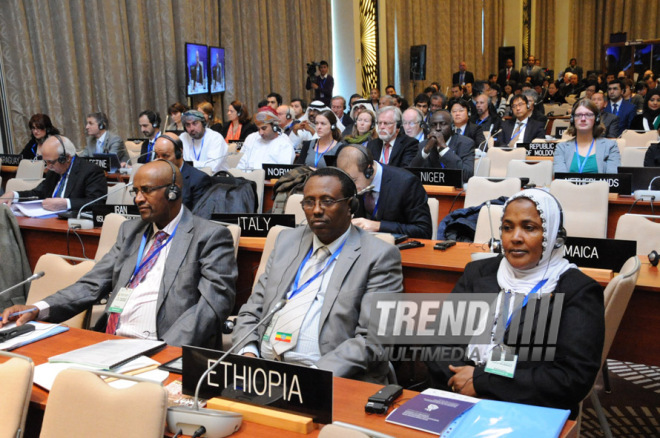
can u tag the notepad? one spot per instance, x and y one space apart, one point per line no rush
107 355
34 209
41 331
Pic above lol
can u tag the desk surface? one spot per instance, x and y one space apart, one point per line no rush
348 404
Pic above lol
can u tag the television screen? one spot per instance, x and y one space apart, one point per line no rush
217 75
196 69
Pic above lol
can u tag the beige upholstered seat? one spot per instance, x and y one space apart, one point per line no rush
19 184
645 230
538 172
231 161
558 123
268 248
293 207
109 232
434 206
235 231
584 207
81 404
28 169
482 166
336 431
482 233
16 382
500 157
258 176
633 156
638 139
480 190
133 147
115 194
385 237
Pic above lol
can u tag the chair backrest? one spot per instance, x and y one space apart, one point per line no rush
271 238
235 231
616 296
499 159
133 148
638 139
134 169
641 229
482 166
109 231
59 274
337 431
28 169
16 380
559 123
293 206
116 194
633 156
551 108
480 190
231 161
538 172
256 175
19 184
621 144
584 207
482 233
434 206
81 404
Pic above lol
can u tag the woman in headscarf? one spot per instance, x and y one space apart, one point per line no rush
649 120
559 370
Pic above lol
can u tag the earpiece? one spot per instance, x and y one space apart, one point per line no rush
654 258
62 157
178 146
333 127
276 128
173 191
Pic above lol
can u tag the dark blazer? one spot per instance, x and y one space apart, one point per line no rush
561 383
534 129
536 74
652 156
143 150
626 113
492 120
469 77
402 153
86 182
195 184
324 91
501 77
197 290
29 151
402 205
575 70
459 156
476 133
612 125
246 129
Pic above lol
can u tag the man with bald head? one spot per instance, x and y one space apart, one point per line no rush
169 276
70 182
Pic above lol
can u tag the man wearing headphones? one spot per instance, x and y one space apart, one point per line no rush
286 117
486 118
268 145
461 112
70 182
102 141
195 182
169 276
392 147
522 129
331 273
413 123
397 204
204 147
337 106
149 122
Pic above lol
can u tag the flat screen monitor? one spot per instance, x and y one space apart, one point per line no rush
196 69
217 75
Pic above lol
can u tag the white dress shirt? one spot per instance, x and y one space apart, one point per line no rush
257 151
209 151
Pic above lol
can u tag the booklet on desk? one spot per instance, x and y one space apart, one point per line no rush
34 209
41 331
107 355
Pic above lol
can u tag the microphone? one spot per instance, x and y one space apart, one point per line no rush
130 161
649 193
217 423
88 224
495 245
481 152
27 280
365 190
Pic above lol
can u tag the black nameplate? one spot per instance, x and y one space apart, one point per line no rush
99 212
256 225
540 149
560 131
10 159
438 177
292 388
276 171
103 163
619 182
599 253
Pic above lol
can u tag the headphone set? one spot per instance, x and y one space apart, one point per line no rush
62 157
153 117
368 172
654 258
354 203
173 191
178 146
101 120
276 128
572 119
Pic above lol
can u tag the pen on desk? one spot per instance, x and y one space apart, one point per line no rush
134 372
21 312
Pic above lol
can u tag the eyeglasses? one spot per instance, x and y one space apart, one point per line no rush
51 162
308 204
585 116
386 123
410 124
146 190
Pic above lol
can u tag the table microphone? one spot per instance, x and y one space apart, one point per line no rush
88 224
649 194
365 190
217 423
27 280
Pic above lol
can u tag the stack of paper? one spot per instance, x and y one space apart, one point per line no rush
107 355
41 331
33 209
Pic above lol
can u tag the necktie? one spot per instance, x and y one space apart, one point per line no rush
386 153
286 328
614 108
508 74
150 148
60 186
161 236
516 134
462 78
99 147
369 202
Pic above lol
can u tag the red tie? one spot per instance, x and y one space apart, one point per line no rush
508 73
386 153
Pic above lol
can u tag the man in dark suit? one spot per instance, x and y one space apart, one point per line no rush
392 147
462 76
322 84
149 122
397 204
522 129
195 182
532 71
486 117
574 68
508 73
618 106
609 120
179 288
442 150
70 182
460 115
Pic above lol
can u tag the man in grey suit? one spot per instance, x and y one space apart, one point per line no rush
169 276
324 323
102 141
532 71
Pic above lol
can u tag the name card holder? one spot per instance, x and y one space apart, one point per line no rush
103 163
10 159
620 183
588 252
438 177
254 224
99 212
276 171
540 149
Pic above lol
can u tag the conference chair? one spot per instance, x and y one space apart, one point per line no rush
482 166
232 148
116 194
134 169
621 144
133 147
232 160
16 381
82 404
480 190
538 172
337 431
434 206
256 175
559 123
553 108
639 139
500 157
20 184
109 231
29 169
58 274
584 207
485 221
633 156
645 230
293 206
207 170
235 231
385 237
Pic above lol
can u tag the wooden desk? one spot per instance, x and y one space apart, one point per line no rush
348 404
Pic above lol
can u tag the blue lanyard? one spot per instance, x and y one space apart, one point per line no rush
296 289
536 288
322 82
518 131
197 155
481 121
139 265
150 147
582 164
318 157
34 149
64 178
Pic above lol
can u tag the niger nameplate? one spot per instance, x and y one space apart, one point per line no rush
438 177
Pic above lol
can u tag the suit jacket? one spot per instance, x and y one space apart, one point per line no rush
324 91
626 112
537 74
469 77
402 205
492 120
112 144
476 133
652 156
195 184
143 150
501 77
365 268
402 153
197 290
534 129
575 70
612 125
459 156
608 158
86 182
561 383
